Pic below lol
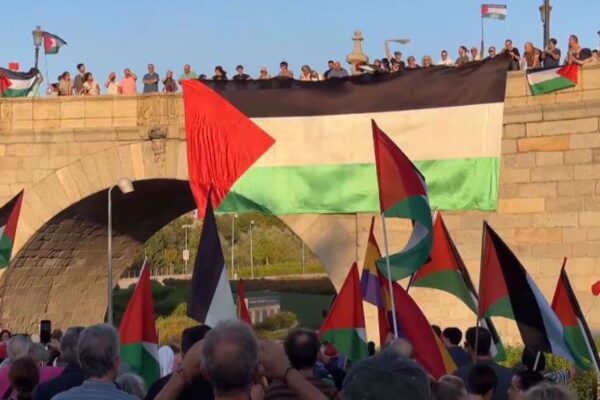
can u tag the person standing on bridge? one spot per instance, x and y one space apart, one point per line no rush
128 82
151 80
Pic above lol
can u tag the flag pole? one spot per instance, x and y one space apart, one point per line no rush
389 277
477 320
482 45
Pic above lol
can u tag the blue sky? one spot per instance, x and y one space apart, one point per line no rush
110 35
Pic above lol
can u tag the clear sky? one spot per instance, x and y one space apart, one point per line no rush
109 35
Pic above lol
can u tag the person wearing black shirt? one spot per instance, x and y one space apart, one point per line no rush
515 55
199 388
240 76
551 55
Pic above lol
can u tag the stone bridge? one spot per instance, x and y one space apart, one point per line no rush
66 153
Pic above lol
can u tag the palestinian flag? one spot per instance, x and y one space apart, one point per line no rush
429 350
507 290
402 194
345 326
17 84
322 159
52 43
139 341
370 285
9 217
242 308
446 271
553 79
222 143
495 11
211 300
575 329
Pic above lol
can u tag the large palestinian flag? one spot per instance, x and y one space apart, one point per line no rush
9 217
553 79
211 300
446 271
17 84
447 121
139 341
345 326
507 290
52 43
575 329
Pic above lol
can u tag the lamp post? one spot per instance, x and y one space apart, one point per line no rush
37 42
545 17
125 186
251 252
233 217
186 251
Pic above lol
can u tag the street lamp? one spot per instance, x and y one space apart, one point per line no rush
251 252
545 17
233 218
125 186
186 252
38 36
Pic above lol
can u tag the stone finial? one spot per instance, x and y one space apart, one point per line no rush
357 56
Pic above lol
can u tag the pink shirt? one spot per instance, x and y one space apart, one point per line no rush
128 85
46 373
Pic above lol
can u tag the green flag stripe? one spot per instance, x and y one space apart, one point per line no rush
6 245
347 342
577 344
501 308
141 362
449 281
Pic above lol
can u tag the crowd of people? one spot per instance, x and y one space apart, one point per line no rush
230 362
550 56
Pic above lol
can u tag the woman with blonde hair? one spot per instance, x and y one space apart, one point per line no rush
427 62
531 57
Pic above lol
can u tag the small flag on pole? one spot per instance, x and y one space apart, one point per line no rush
242 309
495 11
9 216
52 43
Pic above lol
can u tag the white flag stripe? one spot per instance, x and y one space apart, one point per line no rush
221 307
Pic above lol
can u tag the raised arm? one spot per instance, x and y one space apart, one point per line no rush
388 54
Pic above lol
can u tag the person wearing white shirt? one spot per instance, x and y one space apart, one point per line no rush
475 54
446 61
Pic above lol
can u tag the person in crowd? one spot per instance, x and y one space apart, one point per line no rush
386 376
338 71
445 60
534 361
240 75
307 74
551 54
151 80
402 347
475 56
329 68
220 74
229 357
79 79
427 62
197 387
452 337
72 375
65 85
548 391
463 58
169 83
18 346
111 85
492 52
38 353
202 77
482 383
437 330
98 350
449 387
371 348
132 384
513 52
482 354
264 74
412 63
302 347
284 71
456 388
577 54
187 73
128 83
531 57
52 92
90 86
377 66
385 65
595 56
54 347
521 382
23 377
396 59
